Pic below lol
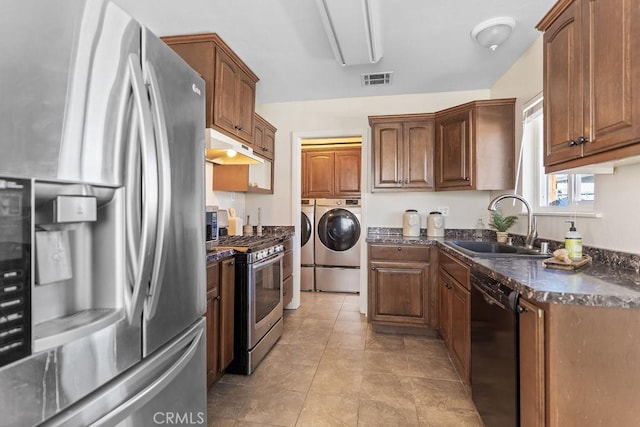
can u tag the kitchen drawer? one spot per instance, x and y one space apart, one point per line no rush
213 275
400 252
456 269
287 264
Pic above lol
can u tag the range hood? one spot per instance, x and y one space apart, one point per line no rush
224 150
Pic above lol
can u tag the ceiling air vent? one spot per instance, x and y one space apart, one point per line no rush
377 79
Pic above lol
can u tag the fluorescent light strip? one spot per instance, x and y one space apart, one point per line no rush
336 44
369 25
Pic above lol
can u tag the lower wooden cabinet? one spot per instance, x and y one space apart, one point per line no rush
287 273
401 285
220 323
455 312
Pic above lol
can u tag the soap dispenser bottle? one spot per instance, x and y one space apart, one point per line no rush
573 242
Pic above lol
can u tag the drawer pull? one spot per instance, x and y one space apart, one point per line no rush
399 248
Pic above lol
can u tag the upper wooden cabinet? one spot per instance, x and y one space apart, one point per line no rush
264 137
474 147
468 147
229 84
331 173
403 152
591 75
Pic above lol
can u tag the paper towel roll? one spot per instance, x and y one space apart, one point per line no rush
235 226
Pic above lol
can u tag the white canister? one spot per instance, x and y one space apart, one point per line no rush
411 223
435 224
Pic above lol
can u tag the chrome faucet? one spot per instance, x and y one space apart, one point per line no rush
532 233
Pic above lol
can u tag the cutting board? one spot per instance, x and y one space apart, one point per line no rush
559 265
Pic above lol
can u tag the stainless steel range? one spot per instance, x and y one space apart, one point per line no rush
258 296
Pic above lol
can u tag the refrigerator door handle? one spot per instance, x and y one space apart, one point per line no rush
145 395
140 246
164 183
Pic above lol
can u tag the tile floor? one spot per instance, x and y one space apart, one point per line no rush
330 369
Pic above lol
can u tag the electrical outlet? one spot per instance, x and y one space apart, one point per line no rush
444 210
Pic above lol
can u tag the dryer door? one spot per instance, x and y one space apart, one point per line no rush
339 230
306 228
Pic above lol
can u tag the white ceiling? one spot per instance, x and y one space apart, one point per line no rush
426 43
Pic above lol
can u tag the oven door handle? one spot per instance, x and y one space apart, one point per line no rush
488 298
267 261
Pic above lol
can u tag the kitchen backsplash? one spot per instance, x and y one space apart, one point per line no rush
615 259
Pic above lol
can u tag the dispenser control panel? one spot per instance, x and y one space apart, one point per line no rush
15 268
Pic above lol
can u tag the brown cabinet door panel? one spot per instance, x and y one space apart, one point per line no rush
615 73
418 154
347 172
225 97
213 336
387 156
454 145
268 143
320 169
460 329
532 369
564 92
245 107
444 304
304 176
399 292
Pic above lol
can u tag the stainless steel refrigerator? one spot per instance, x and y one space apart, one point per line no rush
102 253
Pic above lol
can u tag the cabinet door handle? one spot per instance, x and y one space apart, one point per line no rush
582 140
399 248
217 298
572 143
521 309
373 269
466 178
406 181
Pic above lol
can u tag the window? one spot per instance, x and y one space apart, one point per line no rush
558 192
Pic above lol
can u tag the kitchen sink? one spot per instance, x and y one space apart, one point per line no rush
494 249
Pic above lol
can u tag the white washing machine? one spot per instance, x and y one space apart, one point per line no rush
337 245
307 238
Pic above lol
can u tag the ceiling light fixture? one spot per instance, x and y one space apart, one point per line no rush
353 30
493 32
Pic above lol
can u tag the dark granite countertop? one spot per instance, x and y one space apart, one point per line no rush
219 254
597 285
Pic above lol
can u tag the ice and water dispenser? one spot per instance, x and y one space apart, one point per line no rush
61 258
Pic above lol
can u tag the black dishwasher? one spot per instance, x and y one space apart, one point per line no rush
494 351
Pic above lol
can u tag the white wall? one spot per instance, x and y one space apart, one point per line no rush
617 195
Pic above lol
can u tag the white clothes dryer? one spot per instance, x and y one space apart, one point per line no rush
337 244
